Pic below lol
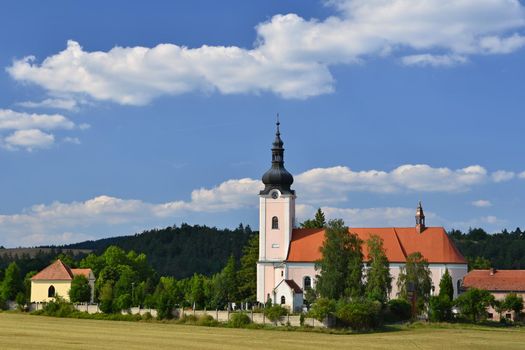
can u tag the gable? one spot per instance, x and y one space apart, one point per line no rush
57 271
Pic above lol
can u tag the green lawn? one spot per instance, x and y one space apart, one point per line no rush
19 331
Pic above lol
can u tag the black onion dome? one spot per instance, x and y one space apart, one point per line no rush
277 177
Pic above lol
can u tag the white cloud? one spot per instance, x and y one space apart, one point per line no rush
522 175
502 175
58 103
29 139
28 128
333 184
291 56
433 60
482 203
73 140
12 120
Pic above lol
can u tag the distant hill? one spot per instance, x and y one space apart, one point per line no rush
179 251
34 252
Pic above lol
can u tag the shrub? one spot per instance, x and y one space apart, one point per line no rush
301 319
275 312
398 310
20 301
239 320
473 303
322 308
359 314
440 308
206 320
188 319
147 316
58 307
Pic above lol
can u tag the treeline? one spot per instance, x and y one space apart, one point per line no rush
181 251
502 250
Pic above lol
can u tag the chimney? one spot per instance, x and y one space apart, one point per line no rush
492 271
420 219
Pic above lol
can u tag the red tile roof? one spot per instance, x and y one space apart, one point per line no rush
501 280
58 271
433 243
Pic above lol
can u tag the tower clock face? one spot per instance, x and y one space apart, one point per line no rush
275 195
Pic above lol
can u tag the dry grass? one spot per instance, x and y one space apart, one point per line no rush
18 331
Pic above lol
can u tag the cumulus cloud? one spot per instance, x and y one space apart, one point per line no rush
292 55
482 203
502 175
26 129
29 139
331 184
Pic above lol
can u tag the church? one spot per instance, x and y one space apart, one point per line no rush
287 255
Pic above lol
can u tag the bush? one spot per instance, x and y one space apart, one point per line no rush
359 314
188 319
322 308
58 308
239 320
275 312
206 320
398 310
147 316
440 308
20 301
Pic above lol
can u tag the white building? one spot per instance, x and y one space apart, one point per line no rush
287 255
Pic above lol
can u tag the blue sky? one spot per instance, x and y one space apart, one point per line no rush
117 117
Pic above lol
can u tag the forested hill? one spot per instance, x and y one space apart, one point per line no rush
180 251
503 250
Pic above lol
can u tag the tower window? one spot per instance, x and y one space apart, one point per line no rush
275 223
51 292
307 283
283 300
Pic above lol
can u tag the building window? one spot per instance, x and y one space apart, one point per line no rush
458 286
433 290
490 316
283 300
275 245
508 316
307 283
51 292
282 273
275 223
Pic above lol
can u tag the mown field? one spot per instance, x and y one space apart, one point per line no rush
18 331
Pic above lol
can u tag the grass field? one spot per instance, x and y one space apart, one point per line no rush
18 331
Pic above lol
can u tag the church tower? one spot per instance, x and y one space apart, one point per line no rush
420 218
276 221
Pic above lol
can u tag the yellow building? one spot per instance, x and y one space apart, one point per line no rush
56 280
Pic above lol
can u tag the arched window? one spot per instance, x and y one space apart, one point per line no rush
275 223
307 283
51 292
283 300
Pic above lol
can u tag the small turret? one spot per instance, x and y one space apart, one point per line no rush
420 218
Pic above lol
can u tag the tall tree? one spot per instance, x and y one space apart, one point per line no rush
319 221
225 284
378 278
80 291
340 268
12 283
474 302
446 287
248 270
415 276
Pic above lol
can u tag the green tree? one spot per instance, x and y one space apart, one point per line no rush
446 287
415 276
12 283
318 222
225 284
440 308
197 296
248 270
473 303
341 266
514 302
322 308
378 278
80 291
106 298
478 263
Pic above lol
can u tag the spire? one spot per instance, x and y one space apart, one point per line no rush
277 177
420 218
